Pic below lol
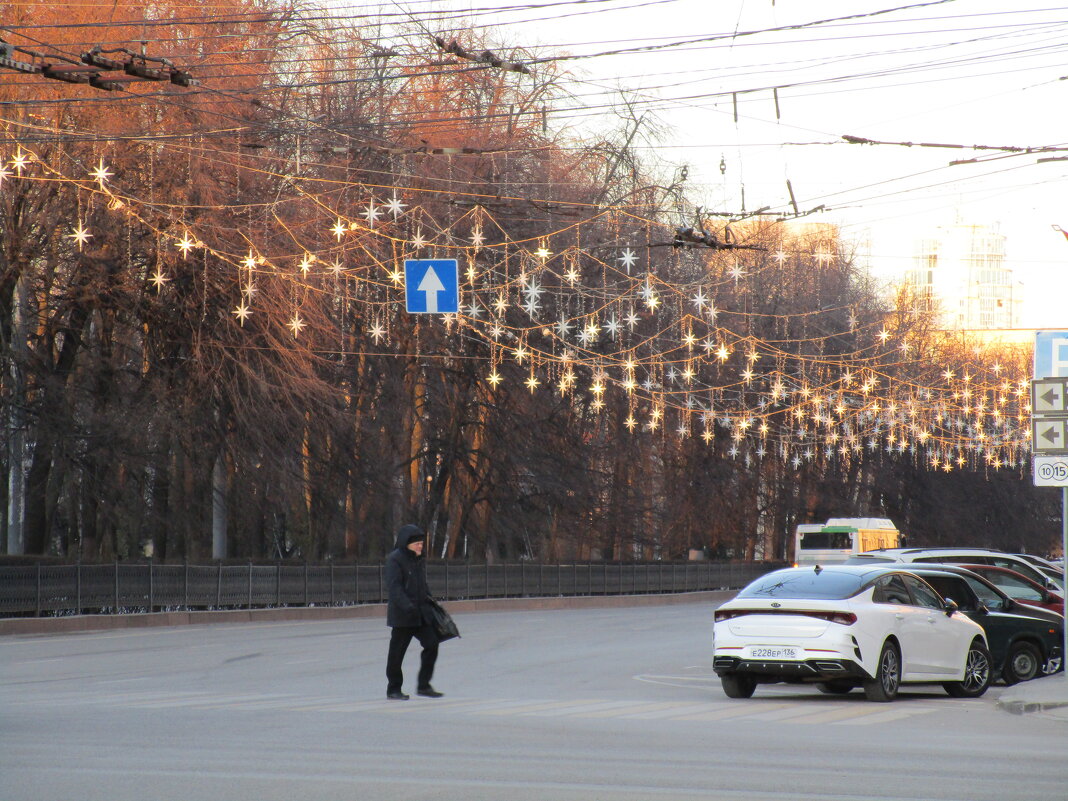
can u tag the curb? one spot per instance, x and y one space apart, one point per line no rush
88 623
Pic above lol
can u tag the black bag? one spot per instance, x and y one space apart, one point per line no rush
441 621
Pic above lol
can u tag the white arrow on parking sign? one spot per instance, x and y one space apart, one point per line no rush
431 285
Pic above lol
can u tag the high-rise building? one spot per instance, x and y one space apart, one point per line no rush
960 273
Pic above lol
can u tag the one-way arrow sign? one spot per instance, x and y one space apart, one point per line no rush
431 286
1049 396
1048 435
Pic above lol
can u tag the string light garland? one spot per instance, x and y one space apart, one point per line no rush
678 352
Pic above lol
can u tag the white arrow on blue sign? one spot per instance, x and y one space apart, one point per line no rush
432 286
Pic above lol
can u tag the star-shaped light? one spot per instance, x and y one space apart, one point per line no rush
652 301
305 264
494 379
249 290
371 213
520 354
159 279
563 327
335 267
630 423
296 325
474 310
612 326
629 259
418 241
249 262
397 277
185 244
339 229
736 272
377 332
532 382
571 276
4 173
471 274
101 173
19 162
242 312
780 255
500 305
631 319
543 253
81 235
532 307
395 207
496 331
477 239
699 300
884 335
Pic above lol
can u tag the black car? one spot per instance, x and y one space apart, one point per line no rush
1024 641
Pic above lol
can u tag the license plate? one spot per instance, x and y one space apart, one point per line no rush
772 652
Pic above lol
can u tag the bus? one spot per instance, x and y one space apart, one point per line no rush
840 537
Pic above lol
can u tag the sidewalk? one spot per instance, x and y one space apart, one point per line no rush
1048 695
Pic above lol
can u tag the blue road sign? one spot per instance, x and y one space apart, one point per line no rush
432 286
1051 354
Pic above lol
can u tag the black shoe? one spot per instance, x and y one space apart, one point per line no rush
429 692
397 695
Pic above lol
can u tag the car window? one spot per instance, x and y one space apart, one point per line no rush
1014 587
955 588
1019 567
991 600
804 583
891 589
923 594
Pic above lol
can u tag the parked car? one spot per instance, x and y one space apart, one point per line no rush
846 626
1024 641
1019 587
970 556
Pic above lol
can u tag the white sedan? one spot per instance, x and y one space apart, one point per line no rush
847 626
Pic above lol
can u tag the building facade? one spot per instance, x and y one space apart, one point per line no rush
960 273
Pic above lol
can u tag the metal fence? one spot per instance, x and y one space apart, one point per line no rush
49 589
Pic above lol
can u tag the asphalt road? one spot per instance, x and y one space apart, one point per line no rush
562 705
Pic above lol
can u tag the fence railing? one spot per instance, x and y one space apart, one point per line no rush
121 587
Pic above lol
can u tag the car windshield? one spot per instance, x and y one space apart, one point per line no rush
826 584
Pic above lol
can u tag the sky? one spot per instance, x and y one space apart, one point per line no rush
749 109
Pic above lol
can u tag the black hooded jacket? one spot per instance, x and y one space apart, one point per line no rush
405 581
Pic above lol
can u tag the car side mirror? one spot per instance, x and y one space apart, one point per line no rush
950 606
983 609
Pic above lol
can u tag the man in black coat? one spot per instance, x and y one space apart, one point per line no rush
406 614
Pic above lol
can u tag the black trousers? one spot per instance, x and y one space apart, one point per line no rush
398 647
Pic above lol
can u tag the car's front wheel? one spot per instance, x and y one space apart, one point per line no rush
887 677
737 686
1022 664
977 674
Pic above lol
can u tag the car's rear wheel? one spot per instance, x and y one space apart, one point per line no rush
977 674
738 686
1022 664
835 687
887 677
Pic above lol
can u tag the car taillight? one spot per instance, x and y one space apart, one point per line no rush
842 618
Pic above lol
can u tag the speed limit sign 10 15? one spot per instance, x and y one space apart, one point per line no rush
1051 471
